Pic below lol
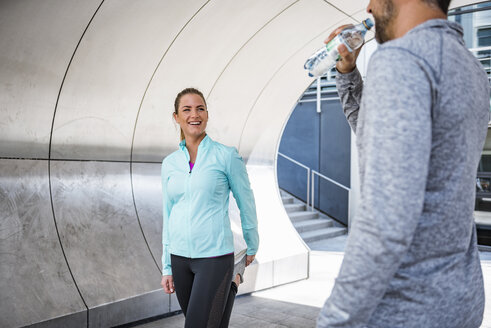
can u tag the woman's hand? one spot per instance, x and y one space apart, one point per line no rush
249 259
168 284
347 63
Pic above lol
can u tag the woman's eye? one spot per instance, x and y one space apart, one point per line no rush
186 110
201 109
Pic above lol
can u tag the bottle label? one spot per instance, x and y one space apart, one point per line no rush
333 44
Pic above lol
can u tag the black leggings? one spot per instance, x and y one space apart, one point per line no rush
228 307
203 288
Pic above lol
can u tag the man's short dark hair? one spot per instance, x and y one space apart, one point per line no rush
442 4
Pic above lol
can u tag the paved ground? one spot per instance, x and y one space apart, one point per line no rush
297 304
253 311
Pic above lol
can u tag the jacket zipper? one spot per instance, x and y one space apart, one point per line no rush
188 199
188 210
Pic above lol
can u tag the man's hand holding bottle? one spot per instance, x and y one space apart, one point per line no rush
347 63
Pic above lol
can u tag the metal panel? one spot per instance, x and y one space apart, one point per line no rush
335 161
294 179
147 189
174 303
102 239
300 138
197 58
300 141
348 7
35 282
75 319
137 307
109 75
36 44
335 140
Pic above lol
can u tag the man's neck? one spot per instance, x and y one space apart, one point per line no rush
412 14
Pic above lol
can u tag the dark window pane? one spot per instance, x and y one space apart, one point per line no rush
484 37
485 163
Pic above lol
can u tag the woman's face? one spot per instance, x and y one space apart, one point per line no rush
192 115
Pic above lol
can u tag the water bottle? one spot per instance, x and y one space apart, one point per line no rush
326 57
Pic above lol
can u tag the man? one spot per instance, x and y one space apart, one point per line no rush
411 259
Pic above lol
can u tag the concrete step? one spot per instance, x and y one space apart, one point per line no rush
312 225
322 234
294 207
287 200
302 216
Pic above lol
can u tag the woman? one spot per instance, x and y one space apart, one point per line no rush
198 246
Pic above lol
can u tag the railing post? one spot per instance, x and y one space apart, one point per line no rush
308 186
349 210
313 192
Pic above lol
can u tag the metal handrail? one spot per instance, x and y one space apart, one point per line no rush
314 100
479 49
334 182
330 180
311 185
303 166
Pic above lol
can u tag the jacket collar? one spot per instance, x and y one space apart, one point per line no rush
203 144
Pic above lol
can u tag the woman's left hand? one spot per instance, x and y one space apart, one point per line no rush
250 259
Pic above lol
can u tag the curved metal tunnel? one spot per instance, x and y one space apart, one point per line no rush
86 96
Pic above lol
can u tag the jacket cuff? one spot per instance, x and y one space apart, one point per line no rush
167 272
353 77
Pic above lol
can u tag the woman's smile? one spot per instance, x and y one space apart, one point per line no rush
192 115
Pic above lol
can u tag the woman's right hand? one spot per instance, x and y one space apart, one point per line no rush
347 63
168 284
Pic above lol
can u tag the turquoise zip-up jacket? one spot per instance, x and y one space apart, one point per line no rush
195 204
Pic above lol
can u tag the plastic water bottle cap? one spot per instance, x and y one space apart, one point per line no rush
368 23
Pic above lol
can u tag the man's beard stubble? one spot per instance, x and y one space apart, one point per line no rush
383 22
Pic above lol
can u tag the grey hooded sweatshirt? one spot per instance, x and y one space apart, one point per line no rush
411 259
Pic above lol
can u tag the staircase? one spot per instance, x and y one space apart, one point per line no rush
311 225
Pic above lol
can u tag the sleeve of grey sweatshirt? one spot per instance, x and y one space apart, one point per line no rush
349 88
394 139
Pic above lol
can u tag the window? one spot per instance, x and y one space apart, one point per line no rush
484 36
